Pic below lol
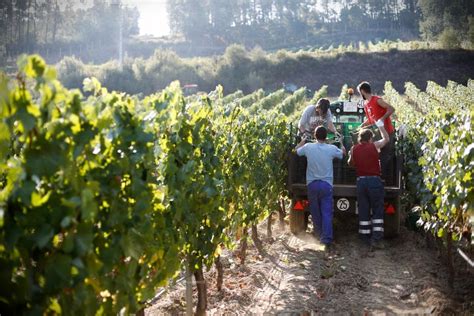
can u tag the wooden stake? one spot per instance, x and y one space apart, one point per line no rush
202 292
189 291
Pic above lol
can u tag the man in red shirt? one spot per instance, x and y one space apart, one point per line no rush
377 110
370 190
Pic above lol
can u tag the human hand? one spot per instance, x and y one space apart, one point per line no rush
379 123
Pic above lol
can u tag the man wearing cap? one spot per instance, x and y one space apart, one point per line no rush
364 156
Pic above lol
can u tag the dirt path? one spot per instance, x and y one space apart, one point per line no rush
295 277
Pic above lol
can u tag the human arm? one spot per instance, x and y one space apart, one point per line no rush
304 121
344 151
385 138
350 161
331 126
299 147
365 123
339 153
385 105
301 128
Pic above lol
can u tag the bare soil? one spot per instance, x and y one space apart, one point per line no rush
295 276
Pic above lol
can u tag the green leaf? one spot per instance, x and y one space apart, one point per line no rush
92 85
131 245
37 199
72 202
57 272
66 221
84 239
4 141
89 206
32 66
440 232
38 65
68 243
54 307
44 235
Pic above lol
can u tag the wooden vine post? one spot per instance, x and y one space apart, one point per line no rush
189 291
269 225
220 273
243 246
201 292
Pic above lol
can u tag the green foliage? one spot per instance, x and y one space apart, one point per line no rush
89 30
268 102
470 32
80 200
449 39
292 103
236 69
271 23
344 95
446 21
321 93
105 198
438 151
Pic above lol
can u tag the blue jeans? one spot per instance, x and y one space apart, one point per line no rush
320 195
370 196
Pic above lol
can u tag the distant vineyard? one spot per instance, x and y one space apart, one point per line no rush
365 47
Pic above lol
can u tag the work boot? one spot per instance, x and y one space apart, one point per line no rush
377 245
328 248
365 250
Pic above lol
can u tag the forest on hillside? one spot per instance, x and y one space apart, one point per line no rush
96 30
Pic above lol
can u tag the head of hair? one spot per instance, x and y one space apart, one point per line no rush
364 86
320 133
365 135
323 106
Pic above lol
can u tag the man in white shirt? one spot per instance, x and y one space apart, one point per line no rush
319 179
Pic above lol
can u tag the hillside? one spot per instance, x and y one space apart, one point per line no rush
396 66
248 71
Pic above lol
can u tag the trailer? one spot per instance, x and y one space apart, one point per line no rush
348 116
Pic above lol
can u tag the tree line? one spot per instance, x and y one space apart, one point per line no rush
48 26
269 22
272 21
90 29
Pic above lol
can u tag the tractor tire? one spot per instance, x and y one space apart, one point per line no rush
392 222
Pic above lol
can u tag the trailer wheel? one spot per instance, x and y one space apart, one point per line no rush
392 221
297 220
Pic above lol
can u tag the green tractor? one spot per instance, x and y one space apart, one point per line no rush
348 116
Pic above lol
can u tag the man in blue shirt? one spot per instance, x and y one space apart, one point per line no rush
319 179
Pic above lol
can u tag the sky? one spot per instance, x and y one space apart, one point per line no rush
153 16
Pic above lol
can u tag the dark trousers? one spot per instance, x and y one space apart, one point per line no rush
370 197
320 195
386 158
